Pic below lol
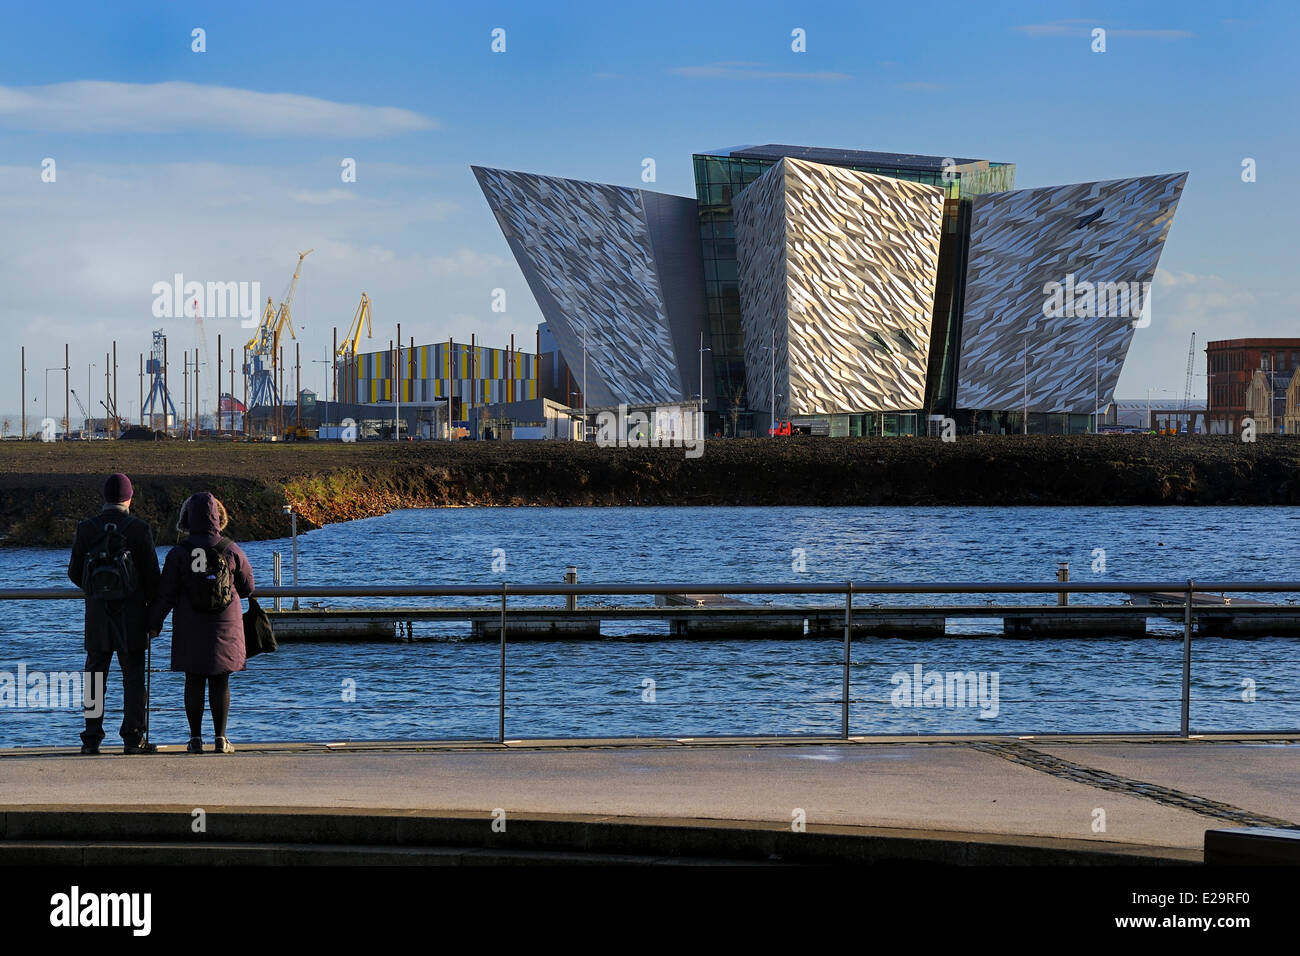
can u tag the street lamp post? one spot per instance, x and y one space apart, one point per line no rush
1096 381
771 356
584 385
699 415
324 419
1024 424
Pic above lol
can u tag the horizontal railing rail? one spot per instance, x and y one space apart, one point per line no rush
1187 590
840 588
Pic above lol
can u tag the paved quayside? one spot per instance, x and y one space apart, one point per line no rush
1031 795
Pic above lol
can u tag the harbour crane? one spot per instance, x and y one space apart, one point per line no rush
84 414
122 423
159 410
351 343
264 346
1187 384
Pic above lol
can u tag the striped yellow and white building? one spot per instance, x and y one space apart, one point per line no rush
478 375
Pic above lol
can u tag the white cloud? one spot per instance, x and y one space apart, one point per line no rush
79 259
1213 307
95 106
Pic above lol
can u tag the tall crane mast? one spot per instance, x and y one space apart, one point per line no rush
84 414
350 345
264 346
1187 384
282 318
158 407
352 341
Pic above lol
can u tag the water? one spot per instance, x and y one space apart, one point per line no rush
447 688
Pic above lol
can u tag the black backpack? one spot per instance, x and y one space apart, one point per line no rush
108 571
209 580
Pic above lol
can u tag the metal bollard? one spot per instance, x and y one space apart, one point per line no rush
571 577
275 574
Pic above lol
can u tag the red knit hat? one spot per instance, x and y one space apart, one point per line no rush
117 489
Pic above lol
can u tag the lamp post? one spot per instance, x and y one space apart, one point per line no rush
324 419
90 402
584 384
1271 409
1024 425
771 357
1096 381
571 397
699 415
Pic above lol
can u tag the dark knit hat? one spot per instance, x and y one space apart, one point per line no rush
117 489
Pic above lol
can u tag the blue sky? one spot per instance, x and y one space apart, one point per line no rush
221 165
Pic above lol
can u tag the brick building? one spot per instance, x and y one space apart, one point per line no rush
1231 365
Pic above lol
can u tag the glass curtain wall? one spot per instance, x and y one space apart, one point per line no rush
718 180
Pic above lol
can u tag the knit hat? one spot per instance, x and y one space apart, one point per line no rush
117 489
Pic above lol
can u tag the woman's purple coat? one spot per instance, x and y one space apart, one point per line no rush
203 642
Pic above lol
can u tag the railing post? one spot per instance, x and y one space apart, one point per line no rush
571 577
501 702
293 517
275 574
848 637
1187 661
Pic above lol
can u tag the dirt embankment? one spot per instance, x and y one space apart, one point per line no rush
46 488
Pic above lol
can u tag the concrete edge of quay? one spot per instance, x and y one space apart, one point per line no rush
90 835
597 743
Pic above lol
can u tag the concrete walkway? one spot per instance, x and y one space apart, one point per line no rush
1155 793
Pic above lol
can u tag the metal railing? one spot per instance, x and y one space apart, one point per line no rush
1188 589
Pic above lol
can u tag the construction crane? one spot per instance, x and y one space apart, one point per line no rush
347 349
84 414
352 341
122 423
1187 384
159 410
264 346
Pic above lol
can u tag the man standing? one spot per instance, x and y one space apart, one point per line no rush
114 562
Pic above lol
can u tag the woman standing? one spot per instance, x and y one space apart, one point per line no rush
203 579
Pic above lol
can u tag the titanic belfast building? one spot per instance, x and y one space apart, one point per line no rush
851 292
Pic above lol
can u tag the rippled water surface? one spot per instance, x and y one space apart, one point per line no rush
443 686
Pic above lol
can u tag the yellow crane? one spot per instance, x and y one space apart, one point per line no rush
264 346
351 343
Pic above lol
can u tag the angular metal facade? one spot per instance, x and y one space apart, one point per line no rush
840 267
617 273
1067 250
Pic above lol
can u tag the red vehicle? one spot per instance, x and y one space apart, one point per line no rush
781 428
